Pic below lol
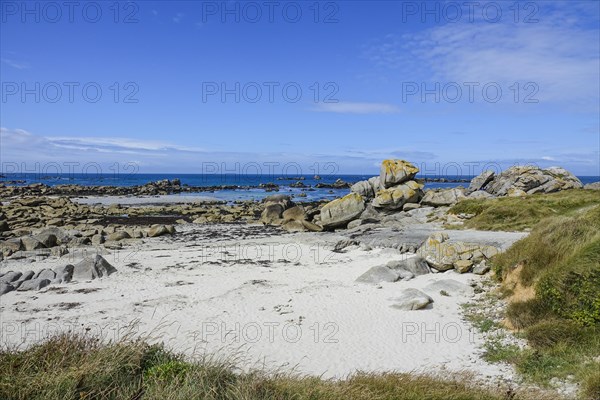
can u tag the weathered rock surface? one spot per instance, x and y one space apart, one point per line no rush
480 181
339 212
120 235
160 230
415 265
363 188
10 276
64 273
442 197
45 274
444 255
480 194
48 239
92 268
5 288
33 284
531 180
379 274
393 198
395 172
411 299
31 243
481 269
295 213
592 186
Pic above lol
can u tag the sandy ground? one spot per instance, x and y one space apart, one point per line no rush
273 300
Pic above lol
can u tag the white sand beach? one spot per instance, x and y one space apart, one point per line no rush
275 301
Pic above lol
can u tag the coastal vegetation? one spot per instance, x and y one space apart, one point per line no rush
78 367
551 279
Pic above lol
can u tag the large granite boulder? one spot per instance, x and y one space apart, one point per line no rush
272 214
48 239
364 188
339 212
394 198
275 205
442 197
443 255
295 213
119 235
10 246
411 299
532 180
481 180
10 276
375 183
283 199
395 172
33 284
5 288
379 274
415 265
592 186
92 268
160 230
30 243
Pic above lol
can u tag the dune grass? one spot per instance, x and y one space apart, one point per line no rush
519 214
76 367
560 261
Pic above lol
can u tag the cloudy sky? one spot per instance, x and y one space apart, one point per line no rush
172 85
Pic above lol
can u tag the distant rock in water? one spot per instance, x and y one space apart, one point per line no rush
592 186
519 181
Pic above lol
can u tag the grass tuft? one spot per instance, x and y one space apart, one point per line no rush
78 368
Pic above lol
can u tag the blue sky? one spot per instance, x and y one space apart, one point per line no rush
361 67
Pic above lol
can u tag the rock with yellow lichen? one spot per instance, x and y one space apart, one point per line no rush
394 198
395 172
339 212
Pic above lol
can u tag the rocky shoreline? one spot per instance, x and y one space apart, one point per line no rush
384 248
43 221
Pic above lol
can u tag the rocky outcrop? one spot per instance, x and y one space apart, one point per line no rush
395 172
480 181
339 212
592 186
415 265
275 206
394 198
521 181
363 188
442 197
92 268
155 231
444 255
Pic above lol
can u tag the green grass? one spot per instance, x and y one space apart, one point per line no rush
519 214
75 367
560 260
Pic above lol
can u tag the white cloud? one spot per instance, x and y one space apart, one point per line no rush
357 108
560 53
20 147
178 17
15 64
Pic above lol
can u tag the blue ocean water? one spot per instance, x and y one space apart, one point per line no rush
210 180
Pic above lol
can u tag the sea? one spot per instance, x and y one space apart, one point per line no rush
212 180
